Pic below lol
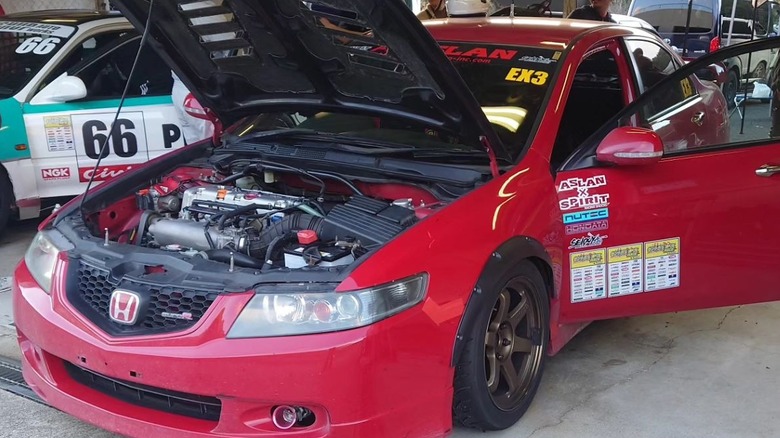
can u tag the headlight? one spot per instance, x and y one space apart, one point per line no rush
41 257
304 313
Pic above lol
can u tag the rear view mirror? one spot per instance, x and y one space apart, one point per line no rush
627 146
63 89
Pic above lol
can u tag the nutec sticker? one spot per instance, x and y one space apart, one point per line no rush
585 216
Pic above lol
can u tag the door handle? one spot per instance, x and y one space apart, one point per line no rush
698 118
767 170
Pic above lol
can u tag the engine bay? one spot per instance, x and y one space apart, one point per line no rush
253 218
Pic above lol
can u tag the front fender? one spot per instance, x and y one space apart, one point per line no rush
13 135
506 256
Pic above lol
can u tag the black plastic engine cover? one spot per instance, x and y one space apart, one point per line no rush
370 221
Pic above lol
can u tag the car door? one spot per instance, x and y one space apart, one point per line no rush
68 137
695 229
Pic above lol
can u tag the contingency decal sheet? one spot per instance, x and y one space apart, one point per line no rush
588 275
625 270
662 264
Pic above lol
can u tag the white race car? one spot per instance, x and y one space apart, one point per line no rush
61 78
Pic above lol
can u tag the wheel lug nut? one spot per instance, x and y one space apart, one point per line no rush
500 357
505 342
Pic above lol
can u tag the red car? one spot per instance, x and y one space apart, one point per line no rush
385 242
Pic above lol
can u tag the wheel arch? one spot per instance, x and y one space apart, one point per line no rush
513 251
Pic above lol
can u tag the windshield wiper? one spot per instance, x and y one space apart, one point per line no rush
276 134
367 146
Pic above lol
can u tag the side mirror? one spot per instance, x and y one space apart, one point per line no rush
63 89
627 146
713 72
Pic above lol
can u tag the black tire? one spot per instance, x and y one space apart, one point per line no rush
730 88
6 200
760 71
483 398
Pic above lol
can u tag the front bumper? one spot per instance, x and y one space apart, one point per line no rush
384 380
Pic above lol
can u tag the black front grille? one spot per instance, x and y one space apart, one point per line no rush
163 308
188 405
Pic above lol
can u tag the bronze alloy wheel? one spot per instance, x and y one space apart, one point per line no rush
505 334
513 347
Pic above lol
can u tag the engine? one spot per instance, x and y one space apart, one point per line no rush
243 225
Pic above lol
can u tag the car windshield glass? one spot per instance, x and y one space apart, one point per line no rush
25 48
670 17
510 84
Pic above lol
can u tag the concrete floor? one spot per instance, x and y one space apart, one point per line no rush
711 373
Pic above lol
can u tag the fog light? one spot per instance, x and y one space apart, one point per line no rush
284 417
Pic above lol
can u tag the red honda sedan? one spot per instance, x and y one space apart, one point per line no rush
395 231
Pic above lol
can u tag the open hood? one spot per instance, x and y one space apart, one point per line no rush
243 57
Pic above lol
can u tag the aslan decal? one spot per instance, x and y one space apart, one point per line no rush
584 199
589 241
585 216
480 52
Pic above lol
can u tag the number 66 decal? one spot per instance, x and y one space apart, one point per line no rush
38 45
123 141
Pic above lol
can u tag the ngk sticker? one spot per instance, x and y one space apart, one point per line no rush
56 173
103 172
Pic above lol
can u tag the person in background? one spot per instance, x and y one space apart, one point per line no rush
597 10
467 8
434 9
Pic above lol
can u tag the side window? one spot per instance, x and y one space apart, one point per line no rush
85 50
106 76
596 96
652 63
703 122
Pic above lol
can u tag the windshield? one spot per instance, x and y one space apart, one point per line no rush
670 17
510 84
25 48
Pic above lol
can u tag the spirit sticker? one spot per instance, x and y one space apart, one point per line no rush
662 264
624 270
583 198
588 275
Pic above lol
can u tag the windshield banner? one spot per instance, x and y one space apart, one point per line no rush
37 28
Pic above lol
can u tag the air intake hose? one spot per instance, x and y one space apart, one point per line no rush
285 227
